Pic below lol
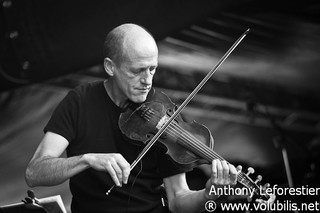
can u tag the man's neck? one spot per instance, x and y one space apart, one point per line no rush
113 94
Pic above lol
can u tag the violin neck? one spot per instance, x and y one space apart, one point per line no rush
208 154
242 178
205 152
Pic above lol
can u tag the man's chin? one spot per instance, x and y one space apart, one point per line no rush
139 99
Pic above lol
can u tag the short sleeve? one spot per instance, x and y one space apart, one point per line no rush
65 117
168 167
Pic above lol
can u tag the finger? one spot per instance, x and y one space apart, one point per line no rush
118 171
269 201
262 201
233 174
239 168
214 171
259 200
272 198
265 186
225 170
125 167
112 173
220 172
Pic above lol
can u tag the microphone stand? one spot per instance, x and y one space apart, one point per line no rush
279 142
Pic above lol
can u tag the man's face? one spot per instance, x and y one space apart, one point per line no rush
135 72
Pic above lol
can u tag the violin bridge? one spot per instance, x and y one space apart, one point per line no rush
162 121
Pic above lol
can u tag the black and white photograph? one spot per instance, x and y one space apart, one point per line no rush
158 106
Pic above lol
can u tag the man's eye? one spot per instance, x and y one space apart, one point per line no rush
152 71
136 72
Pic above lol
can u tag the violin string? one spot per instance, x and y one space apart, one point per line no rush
194 143
190 139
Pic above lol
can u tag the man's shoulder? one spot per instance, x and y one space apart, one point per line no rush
87 88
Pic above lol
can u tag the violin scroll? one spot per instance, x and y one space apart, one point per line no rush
257 190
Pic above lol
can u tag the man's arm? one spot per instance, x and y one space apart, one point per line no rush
182 199
47 168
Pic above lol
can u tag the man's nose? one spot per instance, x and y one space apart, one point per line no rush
147 78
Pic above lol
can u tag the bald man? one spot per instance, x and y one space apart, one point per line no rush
85 124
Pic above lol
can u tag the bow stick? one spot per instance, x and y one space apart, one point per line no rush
185 102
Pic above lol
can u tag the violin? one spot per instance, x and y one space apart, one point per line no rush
188 144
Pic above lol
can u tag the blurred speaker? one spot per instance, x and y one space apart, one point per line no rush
22 208
44 38
52 204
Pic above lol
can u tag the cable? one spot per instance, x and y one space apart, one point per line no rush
134 180
11 78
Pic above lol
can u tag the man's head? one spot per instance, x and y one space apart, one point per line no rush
131 59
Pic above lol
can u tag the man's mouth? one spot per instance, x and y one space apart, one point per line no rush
144 89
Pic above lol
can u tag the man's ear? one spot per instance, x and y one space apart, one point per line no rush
108 66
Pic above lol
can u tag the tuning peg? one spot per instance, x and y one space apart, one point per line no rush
250 171
259 178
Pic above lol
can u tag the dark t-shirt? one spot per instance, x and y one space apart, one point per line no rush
88 119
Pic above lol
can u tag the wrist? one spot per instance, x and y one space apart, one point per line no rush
85 159
211 193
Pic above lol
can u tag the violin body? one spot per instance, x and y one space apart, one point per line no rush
188 144
140 123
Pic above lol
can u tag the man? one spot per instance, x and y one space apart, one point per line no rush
85 124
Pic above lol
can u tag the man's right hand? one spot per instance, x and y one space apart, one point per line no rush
113 163
47 168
